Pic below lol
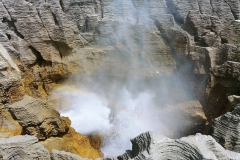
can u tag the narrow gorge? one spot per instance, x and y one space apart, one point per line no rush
120 79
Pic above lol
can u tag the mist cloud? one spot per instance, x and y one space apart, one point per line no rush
124 96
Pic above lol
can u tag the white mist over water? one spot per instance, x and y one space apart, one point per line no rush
87 111
120 102
116 120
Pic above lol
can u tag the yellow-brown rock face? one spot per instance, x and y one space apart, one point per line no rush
8 126
75 143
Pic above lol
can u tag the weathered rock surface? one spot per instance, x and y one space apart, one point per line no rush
8 126
75 143
38 119
46 38
27 147
10 78
46 41
226 129
22 147
154 146
61 155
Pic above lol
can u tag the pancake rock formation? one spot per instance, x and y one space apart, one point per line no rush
27 148
22 147
38 119
226 129
153 146
43 42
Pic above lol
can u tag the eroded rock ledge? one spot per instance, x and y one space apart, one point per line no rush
149 145
34 117
153 146
27 147
226 129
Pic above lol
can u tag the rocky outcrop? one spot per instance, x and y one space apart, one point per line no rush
8 126
38 119
10 78
154 146
27 147
75 143
226 129
22 147
41 40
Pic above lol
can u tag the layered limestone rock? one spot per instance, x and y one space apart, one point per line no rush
9 127
61 155
154 146
46 39
226 129
27 147
22 147
10 78
38 119
41 40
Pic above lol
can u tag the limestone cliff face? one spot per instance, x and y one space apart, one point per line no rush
48 40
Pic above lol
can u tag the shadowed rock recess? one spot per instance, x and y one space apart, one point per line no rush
194 43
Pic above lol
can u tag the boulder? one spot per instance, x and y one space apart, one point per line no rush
38 119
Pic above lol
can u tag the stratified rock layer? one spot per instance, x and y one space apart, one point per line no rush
226 129
38 119
22 147
154 146
27 148
9 127
10 78
49 40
